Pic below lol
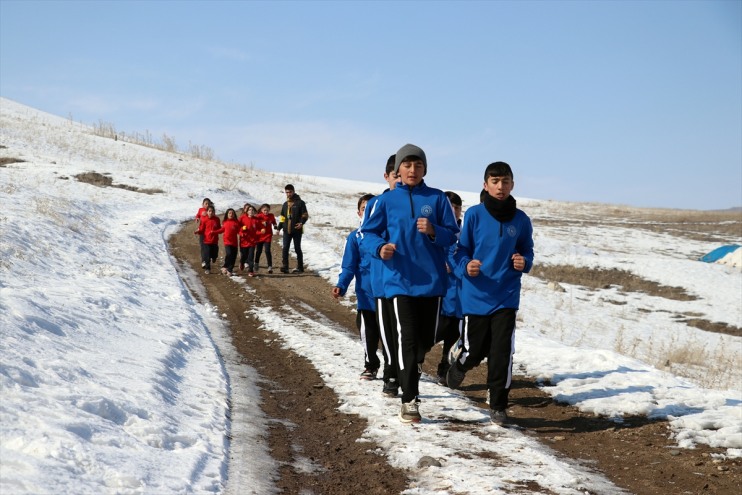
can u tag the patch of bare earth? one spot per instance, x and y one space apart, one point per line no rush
636 454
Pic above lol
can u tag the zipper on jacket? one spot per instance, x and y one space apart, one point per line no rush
412 206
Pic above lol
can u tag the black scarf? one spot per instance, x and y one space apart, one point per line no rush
502 210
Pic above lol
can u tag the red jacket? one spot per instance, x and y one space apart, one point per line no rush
200 214
249 231
231 228
210 228
266 223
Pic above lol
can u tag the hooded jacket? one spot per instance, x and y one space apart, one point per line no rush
418 267
493 243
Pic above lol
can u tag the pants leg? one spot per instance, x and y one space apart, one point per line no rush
213 252
417 319
205 256
388 331
268 254
258 252
500 357
251 258
285 251
476 341
368 328
299 252
449 331
230 257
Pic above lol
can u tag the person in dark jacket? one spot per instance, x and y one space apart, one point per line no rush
494 251
411 229
292 219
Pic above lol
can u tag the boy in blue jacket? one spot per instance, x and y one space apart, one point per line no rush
495 248
411 228
384 308
355 265
450 320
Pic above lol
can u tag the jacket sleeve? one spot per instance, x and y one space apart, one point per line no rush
464 249
304 213
282 217
350 263
446 232
372 230
524 246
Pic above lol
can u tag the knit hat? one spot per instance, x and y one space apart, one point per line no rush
410 150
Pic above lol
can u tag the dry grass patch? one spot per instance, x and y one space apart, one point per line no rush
6 160
714 326
712 226
601 278
101 180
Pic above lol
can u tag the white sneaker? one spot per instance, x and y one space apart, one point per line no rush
410 412
270 269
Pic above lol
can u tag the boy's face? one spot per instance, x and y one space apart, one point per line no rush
265 209
411 172
362 209
391 178
456 211
499 187
210 211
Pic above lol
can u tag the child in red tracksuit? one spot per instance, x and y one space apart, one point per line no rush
200 214
231 228
248 239
209 228
265 236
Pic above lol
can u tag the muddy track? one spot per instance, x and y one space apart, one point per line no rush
316 445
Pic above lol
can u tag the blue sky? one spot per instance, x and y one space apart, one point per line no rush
636 103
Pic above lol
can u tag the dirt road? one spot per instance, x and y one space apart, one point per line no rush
637 455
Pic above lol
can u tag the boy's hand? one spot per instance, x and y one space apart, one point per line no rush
472 268
336 293
298 226
519 262
387 251
425 227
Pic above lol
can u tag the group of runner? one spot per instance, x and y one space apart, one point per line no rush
423 276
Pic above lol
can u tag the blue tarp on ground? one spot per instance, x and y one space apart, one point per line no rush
719 253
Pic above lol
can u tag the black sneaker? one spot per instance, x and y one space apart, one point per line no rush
369 374
391 387
442 372
498 417
284 269
455 375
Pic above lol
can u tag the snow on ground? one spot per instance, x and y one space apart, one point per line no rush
115 379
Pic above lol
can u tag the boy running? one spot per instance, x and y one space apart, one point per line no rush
494 250
411 228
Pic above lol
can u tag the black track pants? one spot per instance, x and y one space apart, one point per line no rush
491 337
416 322
368 328
387 331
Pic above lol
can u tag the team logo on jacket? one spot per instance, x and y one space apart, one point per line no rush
512 231
426 210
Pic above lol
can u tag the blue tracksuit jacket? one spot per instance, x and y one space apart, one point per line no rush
355 265
418 267
493 243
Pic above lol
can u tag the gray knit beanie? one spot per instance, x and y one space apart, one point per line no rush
410 150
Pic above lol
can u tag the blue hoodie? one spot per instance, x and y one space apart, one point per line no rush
484 238
355 265
418 267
